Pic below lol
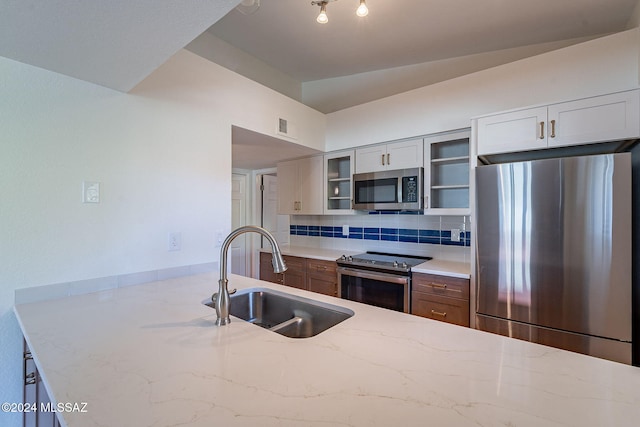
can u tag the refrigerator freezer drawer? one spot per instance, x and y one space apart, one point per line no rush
618 351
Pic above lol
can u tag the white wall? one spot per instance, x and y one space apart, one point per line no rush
595 67
162 154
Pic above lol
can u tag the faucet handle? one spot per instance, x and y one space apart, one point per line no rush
233 291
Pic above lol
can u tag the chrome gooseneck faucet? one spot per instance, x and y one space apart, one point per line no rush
221 298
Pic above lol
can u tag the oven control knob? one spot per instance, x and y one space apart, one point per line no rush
343 257
395 264
350 258
404 265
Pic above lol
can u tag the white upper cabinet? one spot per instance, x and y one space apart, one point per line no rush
396 155
300 185
515 131
599 119
585 121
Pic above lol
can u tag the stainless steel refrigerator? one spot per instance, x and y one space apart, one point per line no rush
553 255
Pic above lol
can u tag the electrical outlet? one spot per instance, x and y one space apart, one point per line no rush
175 241
455 234
345 230
90 192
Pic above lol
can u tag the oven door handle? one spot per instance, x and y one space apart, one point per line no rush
364 274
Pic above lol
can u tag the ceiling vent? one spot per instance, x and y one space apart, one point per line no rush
285 128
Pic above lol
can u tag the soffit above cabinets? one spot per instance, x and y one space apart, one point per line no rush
115 43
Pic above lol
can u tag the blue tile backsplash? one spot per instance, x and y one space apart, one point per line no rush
411 235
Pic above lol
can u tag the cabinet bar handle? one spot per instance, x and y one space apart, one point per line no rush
553 129
439 313
541 130
388 158
383 160
438 285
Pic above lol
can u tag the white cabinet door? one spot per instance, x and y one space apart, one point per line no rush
310 184
598 119
371 159
516 131
287 187
300 186
397 155
405 154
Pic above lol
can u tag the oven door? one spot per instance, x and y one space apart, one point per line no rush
375 288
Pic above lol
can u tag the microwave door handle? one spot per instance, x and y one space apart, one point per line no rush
399 195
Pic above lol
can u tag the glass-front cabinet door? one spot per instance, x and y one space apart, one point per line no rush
337 189
447 173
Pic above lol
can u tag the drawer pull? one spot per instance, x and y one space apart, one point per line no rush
541 130
438 285
553 129
439 313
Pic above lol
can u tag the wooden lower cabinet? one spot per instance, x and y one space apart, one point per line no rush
295 275
303 273
440 298
322 277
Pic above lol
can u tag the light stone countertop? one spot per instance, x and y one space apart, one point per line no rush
434 266
150 355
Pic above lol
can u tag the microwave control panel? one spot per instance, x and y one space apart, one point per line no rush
409 189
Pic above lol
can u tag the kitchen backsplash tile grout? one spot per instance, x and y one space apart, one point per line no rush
420 229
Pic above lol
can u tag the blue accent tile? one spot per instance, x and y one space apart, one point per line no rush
429 233
326 233
314 228
371 236
410 213
314 233
408 232
339 236
374 213
355 229
355 236
388 212
302 228
388 238
412 239
390 231
326 228
302 233
448 242
337 229
431 240
372 230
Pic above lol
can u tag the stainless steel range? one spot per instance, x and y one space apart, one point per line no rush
378 278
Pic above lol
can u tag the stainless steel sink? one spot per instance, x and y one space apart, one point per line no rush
288 315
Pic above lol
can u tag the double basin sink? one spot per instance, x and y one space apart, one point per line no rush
285 314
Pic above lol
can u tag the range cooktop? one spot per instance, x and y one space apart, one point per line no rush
381 261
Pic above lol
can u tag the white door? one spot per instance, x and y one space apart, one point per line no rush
405 154
278 225
371 159
515 131
240 262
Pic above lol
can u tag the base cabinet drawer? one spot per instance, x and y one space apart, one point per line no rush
440 297
445 286
435 307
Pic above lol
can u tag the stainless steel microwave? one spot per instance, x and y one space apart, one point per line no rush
394 190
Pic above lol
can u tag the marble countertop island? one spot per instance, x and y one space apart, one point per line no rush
150 355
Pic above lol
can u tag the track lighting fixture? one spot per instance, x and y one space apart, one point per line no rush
323 18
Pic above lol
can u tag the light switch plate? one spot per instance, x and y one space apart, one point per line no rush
345 230
90 192
455 234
